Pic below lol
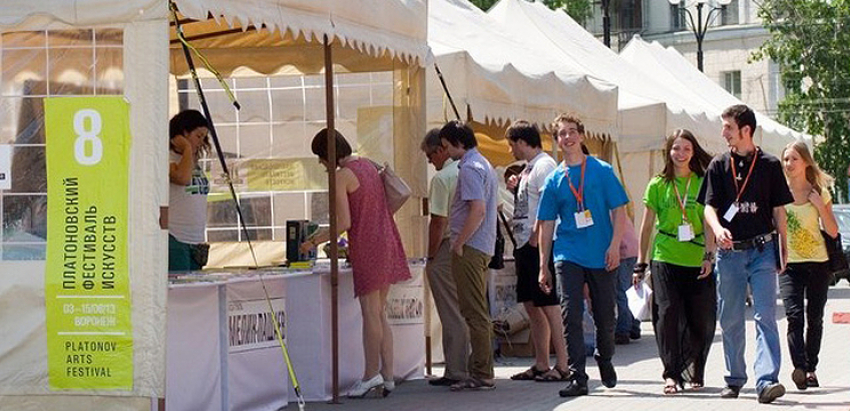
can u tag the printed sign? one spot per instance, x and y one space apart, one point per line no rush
406 304
251 326
86 279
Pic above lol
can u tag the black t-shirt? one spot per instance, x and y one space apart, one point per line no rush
766 189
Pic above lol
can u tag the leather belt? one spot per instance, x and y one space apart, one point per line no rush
756 242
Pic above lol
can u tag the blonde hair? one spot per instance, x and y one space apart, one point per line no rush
814 175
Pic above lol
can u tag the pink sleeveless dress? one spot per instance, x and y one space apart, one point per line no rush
375 251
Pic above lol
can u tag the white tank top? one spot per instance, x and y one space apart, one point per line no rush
187 209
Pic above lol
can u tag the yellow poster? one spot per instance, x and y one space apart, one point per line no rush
86 280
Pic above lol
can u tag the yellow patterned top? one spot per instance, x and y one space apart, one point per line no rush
805 242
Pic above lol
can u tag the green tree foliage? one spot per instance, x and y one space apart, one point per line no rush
579 10
810 39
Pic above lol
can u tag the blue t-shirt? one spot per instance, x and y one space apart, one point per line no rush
602 193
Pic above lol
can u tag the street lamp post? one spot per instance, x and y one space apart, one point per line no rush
701 25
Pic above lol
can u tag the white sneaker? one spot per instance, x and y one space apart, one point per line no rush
361 388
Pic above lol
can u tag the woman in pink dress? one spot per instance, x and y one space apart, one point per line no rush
375 252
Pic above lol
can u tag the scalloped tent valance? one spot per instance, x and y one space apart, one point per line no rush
382 29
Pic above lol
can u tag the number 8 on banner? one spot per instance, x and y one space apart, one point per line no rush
89 135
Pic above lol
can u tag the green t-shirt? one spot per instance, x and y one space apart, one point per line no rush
660 197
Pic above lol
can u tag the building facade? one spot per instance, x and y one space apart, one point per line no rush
734 33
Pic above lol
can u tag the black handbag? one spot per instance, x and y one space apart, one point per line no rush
837 259
497 262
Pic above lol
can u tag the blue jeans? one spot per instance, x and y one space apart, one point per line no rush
736 269
626 323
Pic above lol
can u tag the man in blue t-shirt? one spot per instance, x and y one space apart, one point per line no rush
588 199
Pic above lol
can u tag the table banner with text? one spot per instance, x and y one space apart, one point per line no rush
87 284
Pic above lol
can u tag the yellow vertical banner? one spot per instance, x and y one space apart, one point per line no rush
86 280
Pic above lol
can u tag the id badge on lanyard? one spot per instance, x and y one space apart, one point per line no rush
734 208
583 216
686 230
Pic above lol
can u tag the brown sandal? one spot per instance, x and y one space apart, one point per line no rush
529 374
553 375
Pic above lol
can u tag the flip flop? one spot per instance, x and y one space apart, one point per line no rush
553 375
529 374
671 387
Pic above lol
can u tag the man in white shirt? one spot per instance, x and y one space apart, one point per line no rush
544 310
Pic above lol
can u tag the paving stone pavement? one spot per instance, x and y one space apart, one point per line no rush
640 385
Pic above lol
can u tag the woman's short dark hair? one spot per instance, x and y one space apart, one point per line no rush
320 146
525 131
185 122
458 133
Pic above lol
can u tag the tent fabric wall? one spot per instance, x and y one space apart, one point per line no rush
23 346
499 77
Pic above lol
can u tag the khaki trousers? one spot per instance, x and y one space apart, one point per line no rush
470 272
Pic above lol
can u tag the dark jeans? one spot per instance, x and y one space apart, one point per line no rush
809 281
684 315
602 284
180 256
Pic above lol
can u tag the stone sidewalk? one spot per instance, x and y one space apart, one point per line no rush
640 385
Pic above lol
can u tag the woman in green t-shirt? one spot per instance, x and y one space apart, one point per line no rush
684 296
807 275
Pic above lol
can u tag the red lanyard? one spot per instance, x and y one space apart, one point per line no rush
580 193
740 190
683 200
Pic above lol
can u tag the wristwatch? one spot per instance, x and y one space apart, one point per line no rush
708 256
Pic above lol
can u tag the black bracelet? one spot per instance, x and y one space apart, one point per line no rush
640 268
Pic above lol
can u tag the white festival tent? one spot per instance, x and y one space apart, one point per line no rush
498 77
667 64
95 47
649 110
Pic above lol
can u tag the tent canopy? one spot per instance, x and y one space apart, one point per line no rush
501 77
660 63
373 27
649 109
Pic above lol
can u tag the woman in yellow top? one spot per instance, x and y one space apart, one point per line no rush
806 275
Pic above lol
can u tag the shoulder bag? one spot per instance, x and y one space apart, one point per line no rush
396 190
837 260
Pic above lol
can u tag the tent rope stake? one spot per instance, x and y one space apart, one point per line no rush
186 51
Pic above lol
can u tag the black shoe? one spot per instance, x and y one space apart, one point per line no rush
442 382
607 373
574 389
621 339
771 393
730 391
635 335
799 378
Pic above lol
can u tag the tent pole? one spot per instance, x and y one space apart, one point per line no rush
329 101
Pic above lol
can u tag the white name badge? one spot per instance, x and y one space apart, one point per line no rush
583 219
731 212
686 232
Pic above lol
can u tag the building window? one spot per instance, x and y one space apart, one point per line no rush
729 15
677 18
35 65
732 82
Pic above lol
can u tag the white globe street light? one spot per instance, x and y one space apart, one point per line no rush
701 26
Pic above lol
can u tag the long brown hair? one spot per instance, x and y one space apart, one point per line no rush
699 161
814 175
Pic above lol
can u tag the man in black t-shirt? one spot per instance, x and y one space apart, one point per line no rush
744 192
